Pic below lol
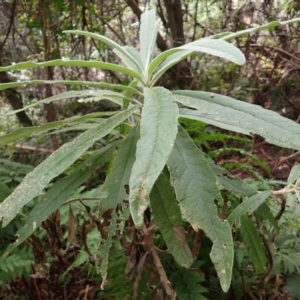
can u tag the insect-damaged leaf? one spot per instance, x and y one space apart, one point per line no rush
157 135
196 190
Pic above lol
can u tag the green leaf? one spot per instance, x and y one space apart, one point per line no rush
254 244
73 63
209 118
158 132
294 174
253 157
269 26
170 58
92 94
4 191
168 218
121 87
264 213
34 183
196 190
248 206
148 34
118 177
189 284
134 53
231 114
58 193
229 182
216 47
122 52
24 132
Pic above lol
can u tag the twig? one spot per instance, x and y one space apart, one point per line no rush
163 276
31 148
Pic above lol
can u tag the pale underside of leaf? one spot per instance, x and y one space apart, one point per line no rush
217 47
148 34
196 190
211 46
34 183
243 117
157 135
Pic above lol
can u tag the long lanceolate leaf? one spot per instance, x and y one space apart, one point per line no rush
148 34
116 181
196 190
215 47
111 86
58 193
254 244
74 63
269 26
24 132
157 135
239 116
34 183
248 206
90 94
168 218
128 59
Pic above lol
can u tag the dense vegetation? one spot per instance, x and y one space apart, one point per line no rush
131 170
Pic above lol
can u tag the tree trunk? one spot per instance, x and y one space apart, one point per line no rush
14 99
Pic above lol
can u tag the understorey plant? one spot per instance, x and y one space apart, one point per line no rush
156 165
